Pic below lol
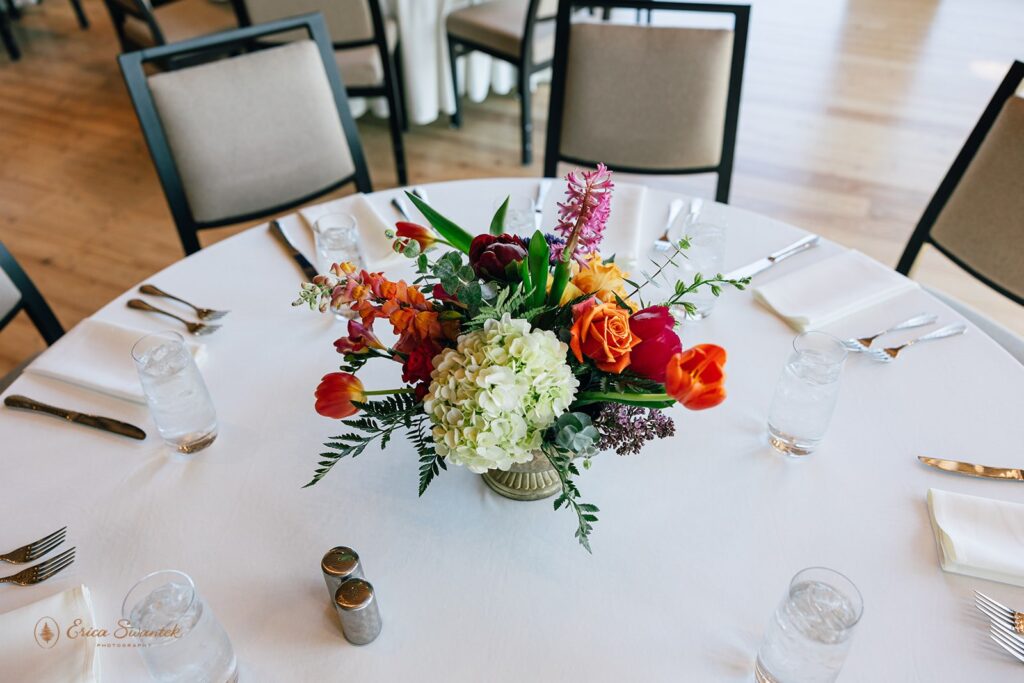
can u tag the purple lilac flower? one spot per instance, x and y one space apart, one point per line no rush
627 428
582 217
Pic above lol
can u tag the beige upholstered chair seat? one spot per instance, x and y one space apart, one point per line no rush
499 25
982 224
182 20
646 97
361 66
252 132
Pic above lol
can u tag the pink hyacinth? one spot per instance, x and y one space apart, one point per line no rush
581 219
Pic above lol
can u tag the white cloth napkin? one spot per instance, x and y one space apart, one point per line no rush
831 289
29 652
621 233
97 355
375 244
979 537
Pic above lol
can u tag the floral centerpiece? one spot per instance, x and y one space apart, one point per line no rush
519 356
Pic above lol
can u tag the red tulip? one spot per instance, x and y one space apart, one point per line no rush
496 257
335 394
359 339
696 377
658 342
413 232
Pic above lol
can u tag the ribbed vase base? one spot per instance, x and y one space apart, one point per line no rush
532 480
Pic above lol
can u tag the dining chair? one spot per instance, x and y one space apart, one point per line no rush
18 293
6 37
365 48
147 23
520 32
647 99
975 217
248 129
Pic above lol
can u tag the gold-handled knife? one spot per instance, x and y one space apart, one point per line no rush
107 424
973 470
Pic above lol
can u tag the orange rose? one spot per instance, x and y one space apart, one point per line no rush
601 332
696 377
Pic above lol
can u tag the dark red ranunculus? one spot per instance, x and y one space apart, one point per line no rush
658 342
440 294
496 257
419 364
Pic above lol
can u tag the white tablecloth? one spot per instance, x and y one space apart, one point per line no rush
697 540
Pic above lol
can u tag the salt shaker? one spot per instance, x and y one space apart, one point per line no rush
339 565
357 608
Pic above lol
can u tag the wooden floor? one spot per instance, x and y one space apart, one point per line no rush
852 112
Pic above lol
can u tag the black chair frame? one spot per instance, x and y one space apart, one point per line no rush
390 89
222 44
741 18
32 302
922 233
8 11
525 66
138 9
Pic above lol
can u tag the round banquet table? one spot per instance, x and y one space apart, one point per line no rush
697 539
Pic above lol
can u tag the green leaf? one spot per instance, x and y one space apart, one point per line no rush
561 278
456 236
498 222
540 254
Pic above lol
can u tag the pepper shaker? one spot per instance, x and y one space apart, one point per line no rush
357 608
339 565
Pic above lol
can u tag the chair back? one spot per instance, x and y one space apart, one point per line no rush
18 293
647 99
976 217
250 132
348 21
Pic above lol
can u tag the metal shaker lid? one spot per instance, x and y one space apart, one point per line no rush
354 594
340 561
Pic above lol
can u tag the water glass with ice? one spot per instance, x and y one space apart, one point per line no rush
181 640
175 391
806 394
520 218
337 241
706 256
809 635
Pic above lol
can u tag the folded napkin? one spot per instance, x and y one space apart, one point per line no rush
34 645
374 243
97 355
622 232
831 289
979 537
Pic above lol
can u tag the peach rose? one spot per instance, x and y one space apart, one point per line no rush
604 280
600 331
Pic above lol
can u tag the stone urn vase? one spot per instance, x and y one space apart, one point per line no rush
531 480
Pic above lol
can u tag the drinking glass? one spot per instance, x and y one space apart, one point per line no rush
337 241
181 639
809 635
520 216
806 394
177 396
705 256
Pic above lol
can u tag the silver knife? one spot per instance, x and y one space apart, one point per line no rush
751 269
307 268
107 424
973 470
538 203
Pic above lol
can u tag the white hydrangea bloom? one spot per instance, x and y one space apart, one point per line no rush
492 397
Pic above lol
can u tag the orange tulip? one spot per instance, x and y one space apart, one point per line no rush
696 378
601 332
335 394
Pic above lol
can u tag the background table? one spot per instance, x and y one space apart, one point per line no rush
698 536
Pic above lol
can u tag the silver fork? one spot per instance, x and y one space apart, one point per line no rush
1000 613
862 343
202 313
889 354
194 328
42 571
1005 639
36 549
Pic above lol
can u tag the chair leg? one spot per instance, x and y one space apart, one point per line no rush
13 11
395 119
6 36
526 113
456 119
83 21
400 82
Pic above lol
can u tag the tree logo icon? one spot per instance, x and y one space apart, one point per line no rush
47 633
